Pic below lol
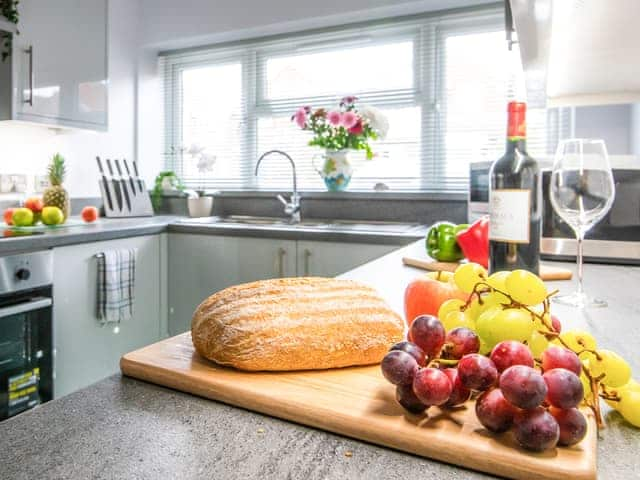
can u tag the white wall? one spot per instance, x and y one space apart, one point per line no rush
613 123
170 24
138 29
28 148
635 129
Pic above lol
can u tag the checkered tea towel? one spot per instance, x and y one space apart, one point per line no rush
116 282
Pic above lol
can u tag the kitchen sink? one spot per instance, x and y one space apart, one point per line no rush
305 224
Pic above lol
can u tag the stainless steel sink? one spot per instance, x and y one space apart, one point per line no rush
315 224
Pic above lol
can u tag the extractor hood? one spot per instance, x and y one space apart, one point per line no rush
579 52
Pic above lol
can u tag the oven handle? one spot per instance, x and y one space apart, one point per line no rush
35 304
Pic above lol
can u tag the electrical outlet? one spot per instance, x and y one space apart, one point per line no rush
6 185
13 183
40 183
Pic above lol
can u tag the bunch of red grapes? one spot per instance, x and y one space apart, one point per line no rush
435 368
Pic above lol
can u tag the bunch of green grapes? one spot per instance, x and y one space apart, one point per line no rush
498 306
604 373
515 306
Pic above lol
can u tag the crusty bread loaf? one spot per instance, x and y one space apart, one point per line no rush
295 324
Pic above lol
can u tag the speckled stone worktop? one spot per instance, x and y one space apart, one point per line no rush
124 428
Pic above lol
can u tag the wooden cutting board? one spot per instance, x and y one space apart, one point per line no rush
359 403
547 272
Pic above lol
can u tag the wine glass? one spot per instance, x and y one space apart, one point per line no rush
582 191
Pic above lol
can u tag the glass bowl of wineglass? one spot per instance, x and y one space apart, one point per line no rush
581 191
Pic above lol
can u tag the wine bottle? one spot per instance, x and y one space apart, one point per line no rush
515 201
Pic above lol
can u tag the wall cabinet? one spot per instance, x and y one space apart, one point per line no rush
86 351
199 265
62 74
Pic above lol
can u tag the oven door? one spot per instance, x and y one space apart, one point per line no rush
26 360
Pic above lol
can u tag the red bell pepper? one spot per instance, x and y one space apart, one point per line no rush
474 241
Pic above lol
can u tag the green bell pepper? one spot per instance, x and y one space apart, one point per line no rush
441 242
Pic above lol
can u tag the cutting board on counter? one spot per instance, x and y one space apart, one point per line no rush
547 272
358 402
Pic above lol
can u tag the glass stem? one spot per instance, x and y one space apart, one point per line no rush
580 238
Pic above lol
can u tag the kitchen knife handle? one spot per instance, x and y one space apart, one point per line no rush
117 162
99 162
109 167
126 167
135 170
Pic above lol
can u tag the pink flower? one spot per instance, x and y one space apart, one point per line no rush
348 119
334 118
357 129
348 100
300 117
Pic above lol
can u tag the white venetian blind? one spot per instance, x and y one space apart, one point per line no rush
443 82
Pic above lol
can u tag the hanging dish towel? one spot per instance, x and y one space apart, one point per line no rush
116 282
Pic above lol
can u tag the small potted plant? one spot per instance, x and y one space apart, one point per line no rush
339 132
166 182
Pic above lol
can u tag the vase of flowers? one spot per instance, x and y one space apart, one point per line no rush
339 132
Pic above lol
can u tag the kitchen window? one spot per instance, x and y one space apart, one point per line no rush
443 81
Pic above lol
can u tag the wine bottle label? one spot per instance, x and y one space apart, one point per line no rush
509 215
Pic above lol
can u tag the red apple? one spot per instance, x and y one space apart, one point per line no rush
424 295
8 216
89 214
34 204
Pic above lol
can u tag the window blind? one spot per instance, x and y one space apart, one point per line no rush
442 80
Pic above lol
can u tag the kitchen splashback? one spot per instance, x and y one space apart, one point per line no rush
421 208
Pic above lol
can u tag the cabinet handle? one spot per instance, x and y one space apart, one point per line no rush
307 257
281 254
29 51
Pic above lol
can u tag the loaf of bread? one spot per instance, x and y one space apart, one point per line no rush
295 324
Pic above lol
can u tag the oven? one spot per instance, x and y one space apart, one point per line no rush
26 343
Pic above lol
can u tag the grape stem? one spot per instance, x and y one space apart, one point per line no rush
594 382
443 361
612 396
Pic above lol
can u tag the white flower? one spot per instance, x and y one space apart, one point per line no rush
195 149
205 162
376 119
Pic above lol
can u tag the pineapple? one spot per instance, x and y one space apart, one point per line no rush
56 195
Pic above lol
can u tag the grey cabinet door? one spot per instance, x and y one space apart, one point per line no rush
199 265
328 259
61 55
86 351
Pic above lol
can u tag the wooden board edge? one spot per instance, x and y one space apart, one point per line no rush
132 367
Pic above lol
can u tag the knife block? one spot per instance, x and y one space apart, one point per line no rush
140 200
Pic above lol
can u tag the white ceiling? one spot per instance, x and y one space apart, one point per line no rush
170 24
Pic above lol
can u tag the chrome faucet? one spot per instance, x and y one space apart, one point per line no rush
292 205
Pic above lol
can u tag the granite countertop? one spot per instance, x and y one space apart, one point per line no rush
125 428
112 228
103 229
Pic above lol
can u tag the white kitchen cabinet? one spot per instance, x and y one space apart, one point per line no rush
85 350
199 265
61 58
328 259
